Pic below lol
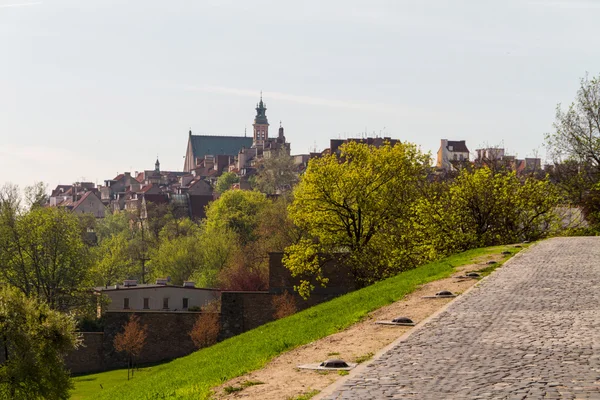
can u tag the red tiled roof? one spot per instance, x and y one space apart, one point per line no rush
118 177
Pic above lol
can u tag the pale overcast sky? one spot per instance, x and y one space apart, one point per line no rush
89 89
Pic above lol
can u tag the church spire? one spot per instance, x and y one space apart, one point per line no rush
261 124
157 165
261 113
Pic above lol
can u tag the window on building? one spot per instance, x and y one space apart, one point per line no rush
126 303
461 157
455 157
185 303
166 303
146 303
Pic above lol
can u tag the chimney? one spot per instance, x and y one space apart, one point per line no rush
189 284
129 282
161 281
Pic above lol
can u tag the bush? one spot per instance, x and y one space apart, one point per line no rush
284 305
206 330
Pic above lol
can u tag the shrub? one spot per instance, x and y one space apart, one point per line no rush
284 305
206 330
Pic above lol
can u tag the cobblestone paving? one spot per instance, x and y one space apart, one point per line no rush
531 330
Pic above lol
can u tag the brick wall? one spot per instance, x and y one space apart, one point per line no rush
167 338
168 335
89 356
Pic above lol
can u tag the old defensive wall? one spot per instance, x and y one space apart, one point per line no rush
168 331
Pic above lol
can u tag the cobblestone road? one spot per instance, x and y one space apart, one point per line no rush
531 330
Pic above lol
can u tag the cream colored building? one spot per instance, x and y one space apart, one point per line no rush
157 297
452 152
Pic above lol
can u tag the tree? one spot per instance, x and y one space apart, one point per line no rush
113 262
36 195
217 249
346 204
483 208
276 229
178 258
33 342
247 270
225 181
141 243
131 341
42 253
206 329
576 133
277 174
112 224
239 211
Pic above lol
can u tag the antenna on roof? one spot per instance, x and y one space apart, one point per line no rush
245 127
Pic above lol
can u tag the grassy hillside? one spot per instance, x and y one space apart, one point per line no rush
193 376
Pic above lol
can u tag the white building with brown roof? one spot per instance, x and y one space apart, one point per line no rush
452 153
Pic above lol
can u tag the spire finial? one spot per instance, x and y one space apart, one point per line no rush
280 123
261 95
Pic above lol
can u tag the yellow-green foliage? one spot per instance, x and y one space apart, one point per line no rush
347 204
482 208
237 210
378 211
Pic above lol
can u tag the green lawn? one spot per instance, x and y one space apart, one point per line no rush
193 376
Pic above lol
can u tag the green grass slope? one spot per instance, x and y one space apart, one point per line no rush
193 376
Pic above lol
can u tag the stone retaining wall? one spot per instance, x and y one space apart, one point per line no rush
167 338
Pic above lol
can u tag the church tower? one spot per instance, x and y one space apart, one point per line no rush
261 124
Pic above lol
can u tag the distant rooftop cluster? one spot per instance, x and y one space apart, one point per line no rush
454 155
208 156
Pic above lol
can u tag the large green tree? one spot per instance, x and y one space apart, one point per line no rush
42 253
33 342
238 211
349 204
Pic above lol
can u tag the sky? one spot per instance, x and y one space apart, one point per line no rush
90 89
